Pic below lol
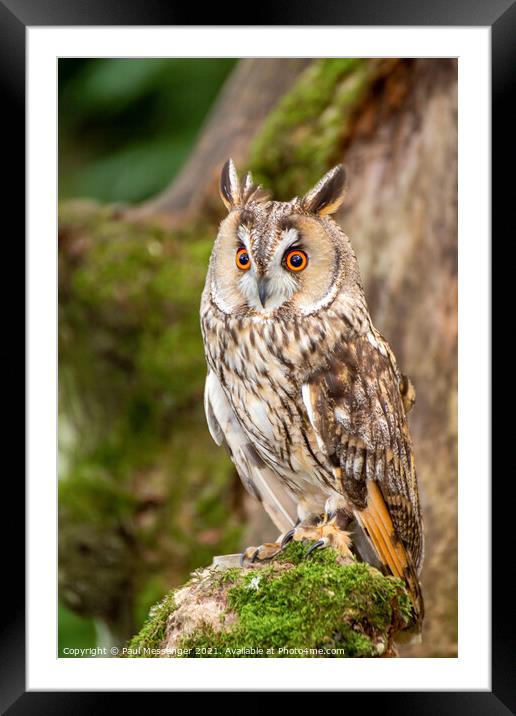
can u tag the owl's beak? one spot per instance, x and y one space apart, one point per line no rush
263 289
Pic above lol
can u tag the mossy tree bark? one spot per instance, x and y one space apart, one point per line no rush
130 280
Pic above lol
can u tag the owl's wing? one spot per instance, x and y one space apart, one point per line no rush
356 410
259 480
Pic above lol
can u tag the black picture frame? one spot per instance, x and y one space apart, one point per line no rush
500 16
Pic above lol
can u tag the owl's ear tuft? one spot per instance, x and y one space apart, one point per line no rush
238 193
230 190
328 194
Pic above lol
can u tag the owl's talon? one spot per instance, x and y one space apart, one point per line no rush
255 555
287 537
316 545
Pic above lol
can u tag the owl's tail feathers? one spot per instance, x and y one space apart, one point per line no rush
376 521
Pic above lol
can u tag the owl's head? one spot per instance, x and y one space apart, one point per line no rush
271 256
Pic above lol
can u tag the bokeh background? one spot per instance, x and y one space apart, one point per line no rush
145 496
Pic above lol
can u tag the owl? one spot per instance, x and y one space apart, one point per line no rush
302 390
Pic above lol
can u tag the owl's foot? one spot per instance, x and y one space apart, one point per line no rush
327 530
263 553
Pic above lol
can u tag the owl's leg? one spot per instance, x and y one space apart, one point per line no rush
326 530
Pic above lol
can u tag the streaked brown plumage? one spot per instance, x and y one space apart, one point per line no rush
301 387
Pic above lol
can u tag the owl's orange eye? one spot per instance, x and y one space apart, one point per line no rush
296 260
242 259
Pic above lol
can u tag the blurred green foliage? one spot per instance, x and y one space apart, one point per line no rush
126 126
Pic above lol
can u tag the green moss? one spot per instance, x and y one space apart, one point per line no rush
303 136
295 553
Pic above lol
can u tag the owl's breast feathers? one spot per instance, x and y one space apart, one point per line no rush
355 404
261 366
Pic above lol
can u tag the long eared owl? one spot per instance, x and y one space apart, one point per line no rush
302 389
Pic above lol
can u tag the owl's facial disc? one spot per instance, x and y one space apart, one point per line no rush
282 258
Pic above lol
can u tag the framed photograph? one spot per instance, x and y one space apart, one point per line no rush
271 238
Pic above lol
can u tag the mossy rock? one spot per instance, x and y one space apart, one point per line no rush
292 607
